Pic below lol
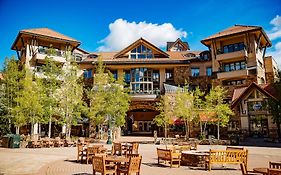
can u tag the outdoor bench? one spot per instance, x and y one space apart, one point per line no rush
229 156
168 155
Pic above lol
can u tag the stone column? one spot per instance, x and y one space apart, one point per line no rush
162 78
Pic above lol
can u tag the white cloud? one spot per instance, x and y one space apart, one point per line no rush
276 53
123 33
275 32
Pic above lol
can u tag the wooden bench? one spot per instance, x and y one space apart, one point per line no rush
168 155
228 157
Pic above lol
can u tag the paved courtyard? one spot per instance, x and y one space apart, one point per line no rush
61 161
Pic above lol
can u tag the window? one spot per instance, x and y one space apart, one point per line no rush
155 76
209 71
169 74
115 74
88 73
234 82
127 76
233 47
141 52
141 80
235 66
195 72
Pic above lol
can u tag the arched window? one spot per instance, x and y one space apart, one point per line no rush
141 52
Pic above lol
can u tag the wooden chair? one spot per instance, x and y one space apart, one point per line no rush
134 149
80 152
91 151
133 166
245 171
168 155
100 166
117 149
274 165
271 171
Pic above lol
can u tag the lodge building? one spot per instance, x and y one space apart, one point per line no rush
234 58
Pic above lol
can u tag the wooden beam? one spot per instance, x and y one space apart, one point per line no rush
18 53
264 50
259 41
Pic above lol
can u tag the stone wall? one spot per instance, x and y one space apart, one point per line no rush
181 75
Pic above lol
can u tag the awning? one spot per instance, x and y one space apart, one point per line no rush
208 117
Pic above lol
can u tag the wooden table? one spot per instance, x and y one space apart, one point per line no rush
260 170
194 158
116 159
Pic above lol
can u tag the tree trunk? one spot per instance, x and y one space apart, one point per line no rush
68 131
17 130
278 129
165 134
218 130
50 127
186 130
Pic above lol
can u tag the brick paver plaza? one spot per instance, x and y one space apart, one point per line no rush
60 161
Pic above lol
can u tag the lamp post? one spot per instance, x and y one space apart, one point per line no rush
109 131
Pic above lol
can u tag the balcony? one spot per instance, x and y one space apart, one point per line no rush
42 56
232 55
148 95
232 74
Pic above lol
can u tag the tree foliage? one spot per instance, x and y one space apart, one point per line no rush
275 104
215 104
29 108
165 107
108 99
69 95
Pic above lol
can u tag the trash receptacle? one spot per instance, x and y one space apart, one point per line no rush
6 141
15 141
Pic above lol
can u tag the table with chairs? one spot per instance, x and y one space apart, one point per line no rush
273 169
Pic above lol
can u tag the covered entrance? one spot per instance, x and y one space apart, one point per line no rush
258 125
140 121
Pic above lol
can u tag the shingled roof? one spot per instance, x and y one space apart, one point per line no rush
45 33
233 30
48 32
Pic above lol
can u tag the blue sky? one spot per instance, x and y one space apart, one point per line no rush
88 21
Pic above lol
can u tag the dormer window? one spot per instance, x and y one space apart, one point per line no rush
141 52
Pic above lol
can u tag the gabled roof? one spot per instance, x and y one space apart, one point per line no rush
236 29
242 92
172 44
47 33
137 43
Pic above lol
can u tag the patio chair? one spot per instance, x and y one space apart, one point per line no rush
134 149
91 151
275 165
245 171
80 152
132 167
271 171
100 166
117 149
